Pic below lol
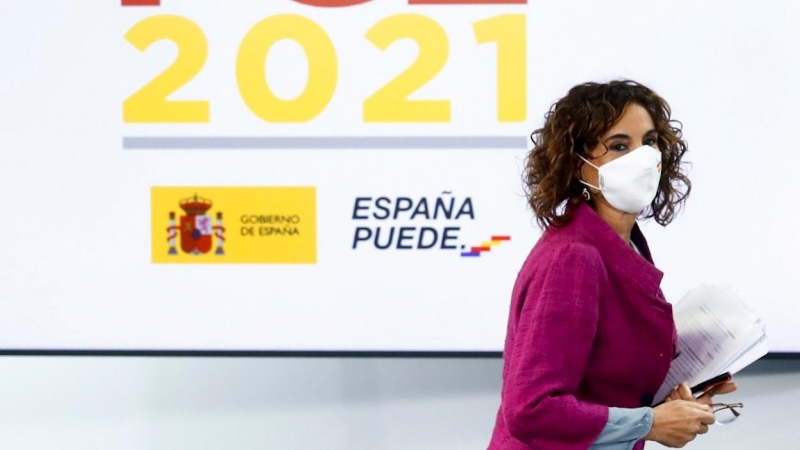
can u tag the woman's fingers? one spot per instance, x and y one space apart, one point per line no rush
673 395
685 392
705 400
726 388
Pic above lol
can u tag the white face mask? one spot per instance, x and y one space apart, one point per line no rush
630 182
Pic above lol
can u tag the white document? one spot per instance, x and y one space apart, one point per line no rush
717 333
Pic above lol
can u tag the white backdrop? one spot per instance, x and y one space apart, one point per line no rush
76 265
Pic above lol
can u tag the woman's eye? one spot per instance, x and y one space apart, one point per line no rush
619 147
652 142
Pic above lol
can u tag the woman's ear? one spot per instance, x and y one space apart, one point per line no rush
584 152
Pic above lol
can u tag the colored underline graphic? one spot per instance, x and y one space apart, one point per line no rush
141 2
475 252
324 142
467 2
341 3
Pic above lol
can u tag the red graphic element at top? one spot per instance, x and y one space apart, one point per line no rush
141 2
332 3
467 2
339 3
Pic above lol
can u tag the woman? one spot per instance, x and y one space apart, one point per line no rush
590 336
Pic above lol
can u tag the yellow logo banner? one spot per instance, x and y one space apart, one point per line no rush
217 225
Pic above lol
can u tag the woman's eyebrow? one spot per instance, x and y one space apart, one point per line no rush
617 136
625 136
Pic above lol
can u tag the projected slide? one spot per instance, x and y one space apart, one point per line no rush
345 175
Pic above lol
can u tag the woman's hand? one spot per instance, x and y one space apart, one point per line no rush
684 392
677 422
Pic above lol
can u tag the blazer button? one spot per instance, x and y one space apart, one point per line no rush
646 400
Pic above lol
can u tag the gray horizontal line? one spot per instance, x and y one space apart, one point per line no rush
323 142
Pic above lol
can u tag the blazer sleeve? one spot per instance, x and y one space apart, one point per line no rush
555 329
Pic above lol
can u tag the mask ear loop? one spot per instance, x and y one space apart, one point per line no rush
587 196
598 171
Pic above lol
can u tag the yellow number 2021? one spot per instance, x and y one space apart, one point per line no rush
391 103
150 104
251 75
509 33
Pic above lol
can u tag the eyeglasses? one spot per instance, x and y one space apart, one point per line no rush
726 413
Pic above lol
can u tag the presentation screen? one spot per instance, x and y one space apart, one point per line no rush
346 175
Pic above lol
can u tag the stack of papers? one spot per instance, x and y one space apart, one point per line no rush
717 333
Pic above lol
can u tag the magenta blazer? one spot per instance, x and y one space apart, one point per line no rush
588 328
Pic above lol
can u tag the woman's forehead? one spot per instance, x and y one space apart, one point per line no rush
635 121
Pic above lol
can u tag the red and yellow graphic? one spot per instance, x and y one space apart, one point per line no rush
141 2
486 246
341 3
264 225
196 228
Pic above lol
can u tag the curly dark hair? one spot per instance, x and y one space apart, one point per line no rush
574 125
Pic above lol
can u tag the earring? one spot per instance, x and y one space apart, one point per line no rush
586 195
